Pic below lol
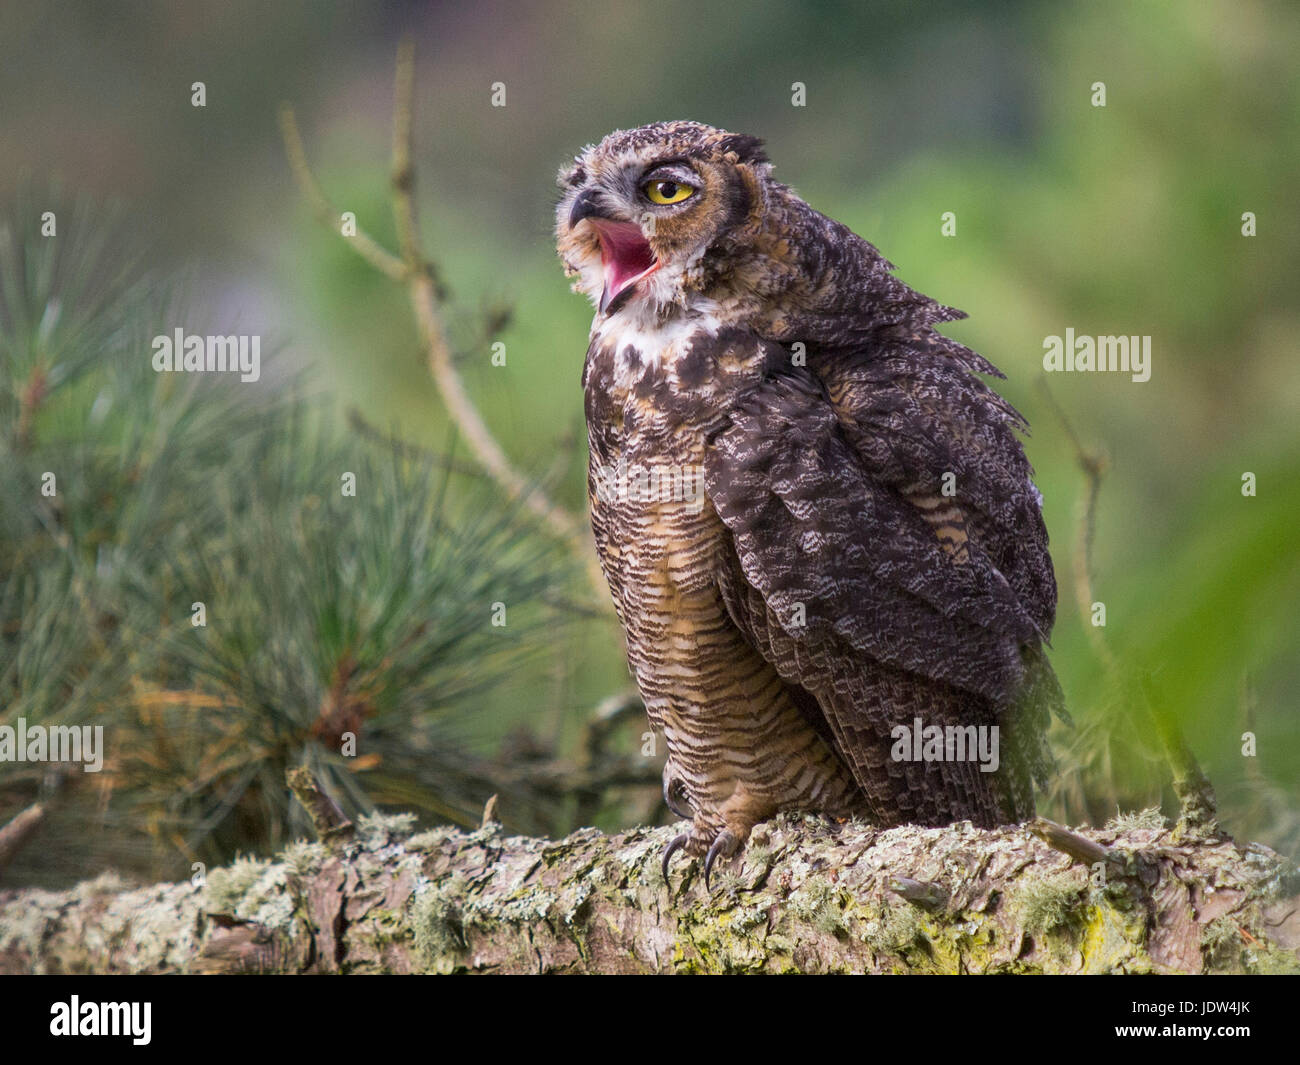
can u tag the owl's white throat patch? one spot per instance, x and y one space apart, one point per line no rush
641 343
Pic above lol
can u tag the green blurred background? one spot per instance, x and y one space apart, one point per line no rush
1120 219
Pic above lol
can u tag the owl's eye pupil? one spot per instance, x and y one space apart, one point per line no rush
667 189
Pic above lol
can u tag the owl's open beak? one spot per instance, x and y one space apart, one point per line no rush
626 258
625 254
587 205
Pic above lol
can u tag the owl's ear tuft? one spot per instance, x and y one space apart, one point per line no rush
571 175
747 149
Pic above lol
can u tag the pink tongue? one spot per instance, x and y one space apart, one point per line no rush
624 253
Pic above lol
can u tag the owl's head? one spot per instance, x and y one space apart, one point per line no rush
646 214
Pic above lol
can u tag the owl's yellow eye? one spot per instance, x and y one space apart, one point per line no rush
666 192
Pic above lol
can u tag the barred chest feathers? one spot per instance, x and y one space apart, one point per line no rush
654 398
649 402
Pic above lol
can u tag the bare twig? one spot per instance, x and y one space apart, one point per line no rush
414 270
607 717
403 175
18 831
362 243
1093 464
329 822
424 302
1060 838
1197 804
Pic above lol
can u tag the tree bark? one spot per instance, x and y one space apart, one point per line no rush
804 896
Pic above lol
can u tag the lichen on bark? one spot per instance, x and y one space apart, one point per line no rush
805 896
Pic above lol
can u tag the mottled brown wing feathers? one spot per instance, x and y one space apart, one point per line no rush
832 549
924 425
839 579
909 399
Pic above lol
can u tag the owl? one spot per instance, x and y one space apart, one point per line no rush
817 521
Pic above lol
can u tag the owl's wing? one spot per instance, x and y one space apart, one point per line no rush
911 403
839 579
926 426
832 549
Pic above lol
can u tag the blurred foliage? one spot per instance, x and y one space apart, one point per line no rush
326 615
1122 219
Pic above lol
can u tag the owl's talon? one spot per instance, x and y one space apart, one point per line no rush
675 795
725 845
677 844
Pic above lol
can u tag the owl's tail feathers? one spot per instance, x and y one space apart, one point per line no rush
1026 758
885 722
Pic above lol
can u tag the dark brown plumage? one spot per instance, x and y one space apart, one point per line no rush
867 549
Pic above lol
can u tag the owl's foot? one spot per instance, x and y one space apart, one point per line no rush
723 844
677 844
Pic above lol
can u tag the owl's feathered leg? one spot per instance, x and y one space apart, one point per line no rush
740 749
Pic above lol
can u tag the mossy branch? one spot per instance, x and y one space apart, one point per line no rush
805 896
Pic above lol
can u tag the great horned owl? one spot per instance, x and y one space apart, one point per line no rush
817 522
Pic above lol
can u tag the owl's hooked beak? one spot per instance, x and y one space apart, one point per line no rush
625 255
